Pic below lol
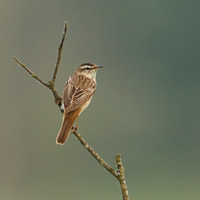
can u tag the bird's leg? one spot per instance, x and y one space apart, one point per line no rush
76 127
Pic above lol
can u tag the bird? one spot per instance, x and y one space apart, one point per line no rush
77 95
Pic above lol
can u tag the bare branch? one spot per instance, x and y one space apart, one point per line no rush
94 153
30 72
119 174
59 53
51 85
58 99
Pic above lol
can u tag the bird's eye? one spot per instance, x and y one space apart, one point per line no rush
88 68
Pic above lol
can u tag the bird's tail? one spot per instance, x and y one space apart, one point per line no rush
68 120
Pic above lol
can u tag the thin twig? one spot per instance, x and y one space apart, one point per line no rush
31 73
94 153
58 99
59 53
119 174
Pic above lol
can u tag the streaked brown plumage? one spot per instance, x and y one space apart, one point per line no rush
77 94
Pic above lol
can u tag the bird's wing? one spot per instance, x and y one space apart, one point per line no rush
74 96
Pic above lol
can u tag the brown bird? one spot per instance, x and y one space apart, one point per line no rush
78 92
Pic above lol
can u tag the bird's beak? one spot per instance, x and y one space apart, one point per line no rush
97 67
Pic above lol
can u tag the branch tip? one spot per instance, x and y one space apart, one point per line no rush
66 26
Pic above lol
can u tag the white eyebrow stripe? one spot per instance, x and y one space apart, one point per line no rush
85 66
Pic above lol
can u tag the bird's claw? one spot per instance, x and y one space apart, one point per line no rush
74 128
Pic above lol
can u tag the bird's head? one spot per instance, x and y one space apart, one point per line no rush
89 70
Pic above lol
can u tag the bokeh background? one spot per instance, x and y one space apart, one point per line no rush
146 106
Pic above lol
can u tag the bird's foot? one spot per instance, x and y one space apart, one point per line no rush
74 128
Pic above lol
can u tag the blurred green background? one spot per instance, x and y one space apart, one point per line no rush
146 106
